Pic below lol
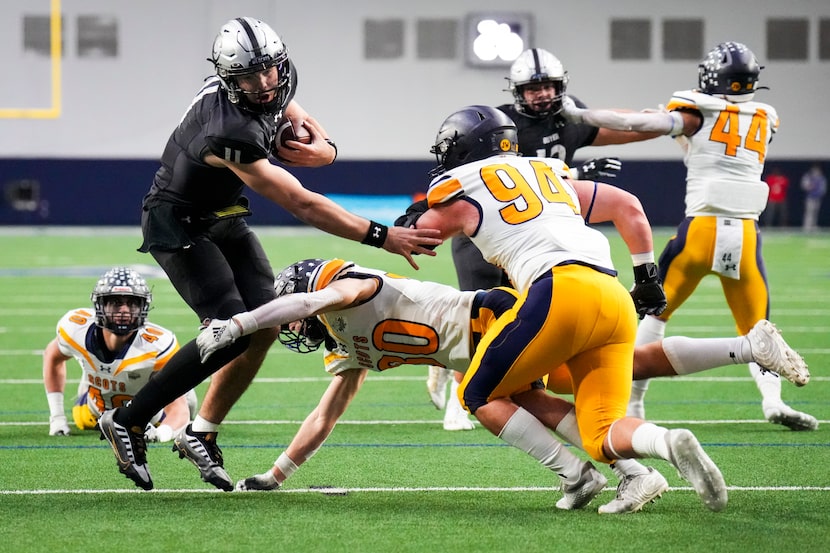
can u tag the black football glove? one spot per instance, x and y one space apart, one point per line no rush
413 213
647 292
595 169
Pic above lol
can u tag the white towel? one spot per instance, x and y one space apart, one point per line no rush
728 247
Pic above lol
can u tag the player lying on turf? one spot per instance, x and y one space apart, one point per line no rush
371 320
118 350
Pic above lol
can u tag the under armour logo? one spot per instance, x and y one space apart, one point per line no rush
730 267
376 231
186 219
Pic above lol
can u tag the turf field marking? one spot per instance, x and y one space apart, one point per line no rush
325 490
434 421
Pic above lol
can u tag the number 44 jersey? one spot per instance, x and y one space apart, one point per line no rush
725 157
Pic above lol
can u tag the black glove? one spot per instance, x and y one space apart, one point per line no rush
594 169
413 213
647 292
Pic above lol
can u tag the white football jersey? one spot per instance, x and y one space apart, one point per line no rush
530 215
725 158
407 322
113 383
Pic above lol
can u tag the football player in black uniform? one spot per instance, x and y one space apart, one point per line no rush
193 225
538 82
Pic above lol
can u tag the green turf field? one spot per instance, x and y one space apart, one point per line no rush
411 486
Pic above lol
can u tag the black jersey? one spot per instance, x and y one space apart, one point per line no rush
212 124
551 136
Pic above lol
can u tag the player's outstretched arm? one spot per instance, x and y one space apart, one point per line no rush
312 433
281 187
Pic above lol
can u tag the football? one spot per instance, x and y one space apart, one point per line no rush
291 130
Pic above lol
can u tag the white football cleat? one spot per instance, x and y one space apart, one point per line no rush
781 413
633 492
590 484
772 353
697 468
457 421
437 385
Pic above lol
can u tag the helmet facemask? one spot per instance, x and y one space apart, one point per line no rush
310 333
538 67
118 287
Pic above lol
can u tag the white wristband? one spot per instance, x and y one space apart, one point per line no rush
638 259
55 401
286 465
246 323
677 124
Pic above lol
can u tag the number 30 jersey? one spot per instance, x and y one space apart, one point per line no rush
113 378
406 322
530 215
725 158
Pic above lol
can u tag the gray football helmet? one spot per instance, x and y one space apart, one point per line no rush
537 66
118 285
246 45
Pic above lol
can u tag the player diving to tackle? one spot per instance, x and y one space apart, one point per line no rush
404 321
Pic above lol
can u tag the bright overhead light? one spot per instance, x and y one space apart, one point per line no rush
496 39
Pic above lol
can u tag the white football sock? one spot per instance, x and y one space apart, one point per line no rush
769 384
203 425
692 355
628 467
651 329
568 429
649 440
525 432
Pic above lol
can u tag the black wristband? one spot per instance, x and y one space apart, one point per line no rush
647 272
333 145
376 235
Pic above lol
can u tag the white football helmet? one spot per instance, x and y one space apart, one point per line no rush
246 45
537 66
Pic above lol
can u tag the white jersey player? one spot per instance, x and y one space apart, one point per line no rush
118 351
725 135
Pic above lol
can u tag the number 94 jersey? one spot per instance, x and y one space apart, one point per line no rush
406 322
530 215
113 379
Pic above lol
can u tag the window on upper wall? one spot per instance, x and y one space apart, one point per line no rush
682 39
630 39
787 39
824 39
437 39
383 39
97 36
37 36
